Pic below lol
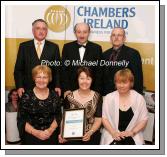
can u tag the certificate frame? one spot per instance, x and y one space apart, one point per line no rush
73 127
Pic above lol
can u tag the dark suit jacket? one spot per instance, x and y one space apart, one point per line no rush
135 65
70 52
27 59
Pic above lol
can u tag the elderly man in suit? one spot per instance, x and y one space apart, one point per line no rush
35 52
121 53
81 51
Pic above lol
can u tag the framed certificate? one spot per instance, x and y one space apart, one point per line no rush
73 124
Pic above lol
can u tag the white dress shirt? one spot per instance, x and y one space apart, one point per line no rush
41 45
82 52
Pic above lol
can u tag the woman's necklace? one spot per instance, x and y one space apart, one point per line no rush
41 94
124 107
84 96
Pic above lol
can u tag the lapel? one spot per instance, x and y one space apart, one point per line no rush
32 47
75 51
85 57
109 55
45 50
122 53
34 55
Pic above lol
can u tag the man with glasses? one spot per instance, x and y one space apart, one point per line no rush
118 55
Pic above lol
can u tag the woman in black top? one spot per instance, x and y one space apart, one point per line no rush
124 113
39 112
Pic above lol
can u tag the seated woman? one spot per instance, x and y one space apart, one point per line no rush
86 98
124 113
13 101
11 108
39 113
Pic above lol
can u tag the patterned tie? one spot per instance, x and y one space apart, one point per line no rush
39 49
114 55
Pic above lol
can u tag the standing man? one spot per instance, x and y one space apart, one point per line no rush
120 53
36 52
83 51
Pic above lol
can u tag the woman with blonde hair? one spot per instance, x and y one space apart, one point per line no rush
39 113
124 113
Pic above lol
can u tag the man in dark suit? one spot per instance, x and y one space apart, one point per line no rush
120 53
80 51
35 52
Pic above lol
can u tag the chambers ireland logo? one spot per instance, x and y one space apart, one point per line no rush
58 18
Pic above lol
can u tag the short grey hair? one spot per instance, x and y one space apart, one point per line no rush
75 27
39 20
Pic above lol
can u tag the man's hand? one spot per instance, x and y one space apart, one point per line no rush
66 93
20 91
58 90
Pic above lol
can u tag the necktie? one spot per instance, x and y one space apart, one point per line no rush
114 55
39 49
79 46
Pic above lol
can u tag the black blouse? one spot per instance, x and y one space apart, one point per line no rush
93 107
125 118
39 113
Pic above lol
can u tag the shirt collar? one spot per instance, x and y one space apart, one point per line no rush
82 44
42 42
118 49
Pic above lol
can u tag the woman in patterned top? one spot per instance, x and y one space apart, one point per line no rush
86 98
39 112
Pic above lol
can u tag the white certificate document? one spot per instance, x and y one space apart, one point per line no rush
74 123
